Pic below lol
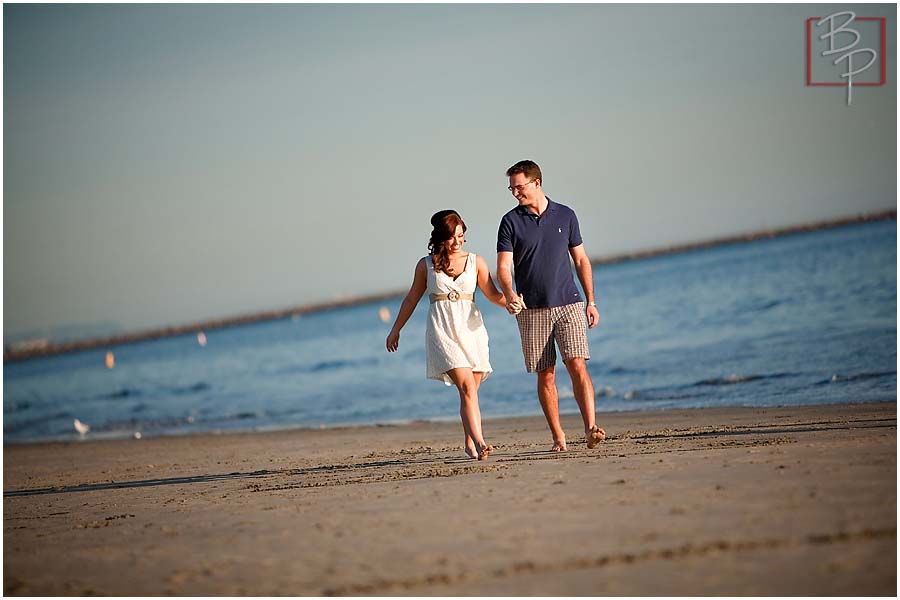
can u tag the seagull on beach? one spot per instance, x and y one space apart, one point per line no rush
81 428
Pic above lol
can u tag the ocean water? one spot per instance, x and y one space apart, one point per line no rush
795 320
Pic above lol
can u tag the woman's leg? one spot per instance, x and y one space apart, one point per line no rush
478 376
465 382
469 443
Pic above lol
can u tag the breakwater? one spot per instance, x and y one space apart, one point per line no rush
38 348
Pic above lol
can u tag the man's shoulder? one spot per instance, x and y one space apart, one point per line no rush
510 217
562 208
510 213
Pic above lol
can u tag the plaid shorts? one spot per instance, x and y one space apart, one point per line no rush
538 327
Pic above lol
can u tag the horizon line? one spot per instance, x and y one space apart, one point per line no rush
37 348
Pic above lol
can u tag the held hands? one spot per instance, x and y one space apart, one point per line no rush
393 341
516 306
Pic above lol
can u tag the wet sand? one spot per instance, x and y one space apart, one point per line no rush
736 501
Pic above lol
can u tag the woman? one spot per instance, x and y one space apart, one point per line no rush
456 342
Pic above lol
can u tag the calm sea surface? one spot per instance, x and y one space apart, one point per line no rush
802 319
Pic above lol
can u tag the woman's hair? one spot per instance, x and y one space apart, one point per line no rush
444 224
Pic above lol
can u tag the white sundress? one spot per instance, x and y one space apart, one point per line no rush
455 335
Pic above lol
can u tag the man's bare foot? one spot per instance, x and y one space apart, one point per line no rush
559 446
594 436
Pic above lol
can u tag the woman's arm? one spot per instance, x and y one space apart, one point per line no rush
409 305
486 284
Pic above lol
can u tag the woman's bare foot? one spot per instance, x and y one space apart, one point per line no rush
594 436
484 451
471 452
559 446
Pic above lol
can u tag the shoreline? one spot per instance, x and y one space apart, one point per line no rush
30 349
450 420
717 501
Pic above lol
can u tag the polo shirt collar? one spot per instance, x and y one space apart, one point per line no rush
551 207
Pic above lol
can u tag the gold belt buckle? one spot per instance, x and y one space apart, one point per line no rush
453 296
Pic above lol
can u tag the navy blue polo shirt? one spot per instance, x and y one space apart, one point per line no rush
540 247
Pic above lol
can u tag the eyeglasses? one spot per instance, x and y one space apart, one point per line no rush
520 187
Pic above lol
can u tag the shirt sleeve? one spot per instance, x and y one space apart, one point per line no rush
505 236
574 232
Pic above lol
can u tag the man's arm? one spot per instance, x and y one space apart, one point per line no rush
586 277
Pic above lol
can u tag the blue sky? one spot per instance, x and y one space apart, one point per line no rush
171 163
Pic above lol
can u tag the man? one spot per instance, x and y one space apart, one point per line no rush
537 237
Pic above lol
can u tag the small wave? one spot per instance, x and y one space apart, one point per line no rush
655 395
213 419
319 367
674 397
762 306
625 371
122 393
332 365
39 423
730 379
837 378
145 425
16 406
738 378
200 386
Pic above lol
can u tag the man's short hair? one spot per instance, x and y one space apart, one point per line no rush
528 167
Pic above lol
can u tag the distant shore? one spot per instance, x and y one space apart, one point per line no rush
793 501
43 347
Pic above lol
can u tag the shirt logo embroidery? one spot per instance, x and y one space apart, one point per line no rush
560 229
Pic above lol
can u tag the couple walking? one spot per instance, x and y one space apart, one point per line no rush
536 238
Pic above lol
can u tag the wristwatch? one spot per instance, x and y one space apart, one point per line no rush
592 304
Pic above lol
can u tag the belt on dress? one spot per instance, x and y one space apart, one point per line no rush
452 296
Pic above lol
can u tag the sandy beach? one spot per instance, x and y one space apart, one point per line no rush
732 501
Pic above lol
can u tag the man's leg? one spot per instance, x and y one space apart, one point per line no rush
571 335
549 397
536 331
584 391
